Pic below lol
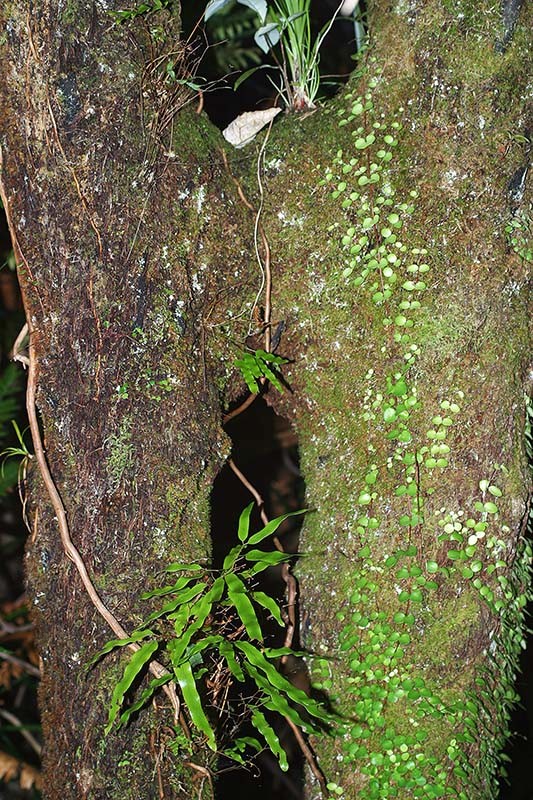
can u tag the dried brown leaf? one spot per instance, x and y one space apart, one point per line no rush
11 768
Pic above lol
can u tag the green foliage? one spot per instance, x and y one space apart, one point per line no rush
140 657
258 366
208 628
285 31
142 9
289 23
413 733
519 232
20 450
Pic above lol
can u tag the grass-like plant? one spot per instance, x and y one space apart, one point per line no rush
286 32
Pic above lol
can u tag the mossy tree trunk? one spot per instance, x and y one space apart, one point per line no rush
406 323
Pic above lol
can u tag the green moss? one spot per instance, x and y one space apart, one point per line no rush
385 412
121 454
188 508
445 637
70 14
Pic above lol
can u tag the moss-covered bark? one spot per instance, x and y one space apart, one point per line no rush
409 334
406 321
121 263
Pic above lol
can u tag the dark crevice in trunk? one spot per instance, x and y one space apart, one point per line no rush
517 784
265 450
222 103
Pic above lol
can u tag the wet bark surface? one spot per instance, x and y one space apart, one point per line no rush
130 412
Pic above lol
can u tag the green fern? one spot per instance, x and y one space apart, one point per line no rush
258 366
143 8
232 31
216 633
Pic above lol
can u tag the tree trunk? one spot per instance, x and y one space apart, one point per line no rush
407 328
120 262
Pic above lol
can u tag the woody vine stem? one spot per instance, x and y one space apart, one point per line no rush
266 287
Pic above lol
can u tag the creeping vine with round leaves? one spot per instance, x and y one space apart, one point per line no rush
398 753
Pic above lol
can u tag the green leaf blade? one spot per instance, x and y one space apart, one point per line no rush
261 725
134 666
184 567
170 589
227 651
237 593
232 557
182 598
271 376
269 557
200 612
189 690
135 637
276 701
146 695
269 604
244 523
272 526
257 659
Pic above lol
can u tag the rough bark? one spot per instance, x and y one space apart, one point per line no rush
135 248
418 661
118 241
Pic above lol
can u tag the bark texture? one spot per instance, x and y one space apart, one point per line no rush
421 655
118 240
137 258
